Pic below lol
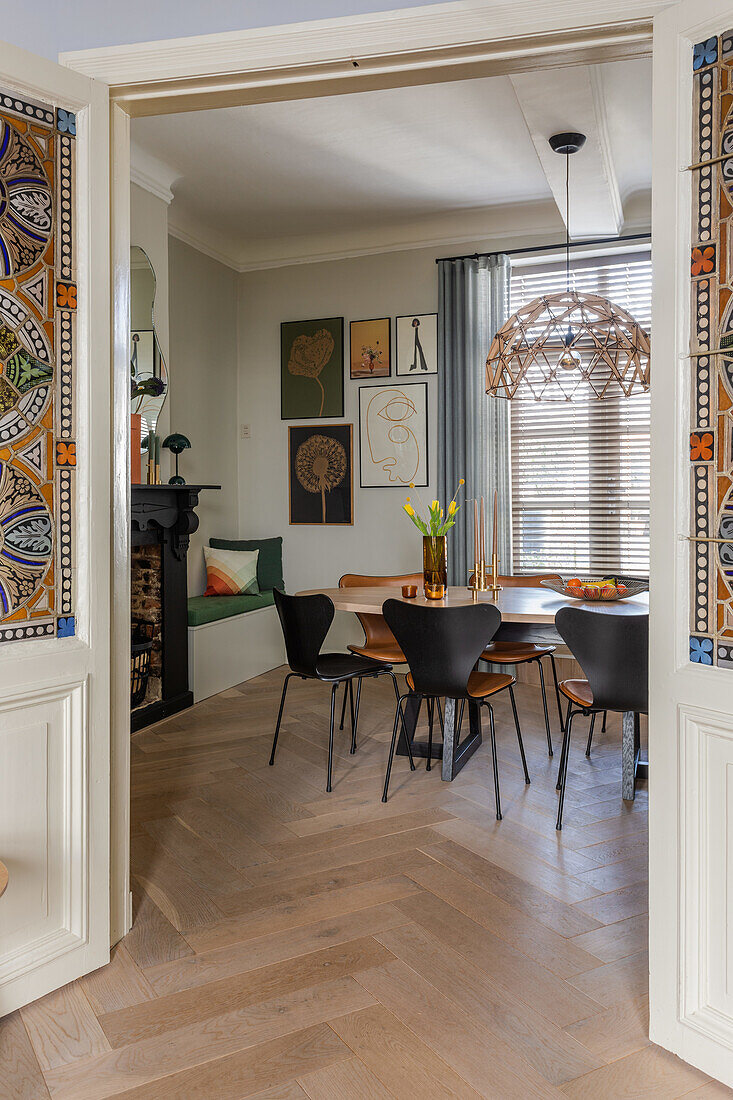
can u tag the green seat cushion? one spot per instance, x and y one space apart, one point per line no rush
207 609
269 562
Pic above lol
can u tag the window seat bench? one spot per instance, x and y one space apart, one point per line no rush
231 639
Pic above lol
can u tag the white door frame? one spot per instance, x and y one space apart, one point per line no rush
400 48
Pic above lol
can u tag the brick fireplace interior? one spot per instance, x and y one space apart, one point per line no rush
147 609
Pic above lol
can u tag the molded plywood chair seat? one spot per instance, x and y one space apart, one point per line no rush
523 653
379 641
613 651
305 622
442 646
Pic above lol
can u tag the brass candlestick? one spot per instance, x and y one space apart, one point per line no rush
478 581
494 587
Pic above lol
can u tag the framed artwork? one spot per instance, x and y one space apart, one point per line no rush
417 344
312 369
393 435
321 474
370 348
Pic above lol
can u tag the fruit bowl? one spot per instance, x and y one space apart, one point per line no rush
597 589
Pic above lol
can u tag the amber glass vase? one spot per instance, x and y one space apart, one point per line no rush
435 566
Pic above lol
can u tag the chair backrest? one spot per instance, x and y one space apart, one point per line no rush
612 648
305 621
533 581
441 644
376 631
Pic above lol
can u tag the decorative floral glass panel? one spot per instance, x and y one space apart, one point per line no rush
37 329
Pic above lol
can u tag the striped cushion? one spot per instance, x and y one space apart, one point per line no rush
231 572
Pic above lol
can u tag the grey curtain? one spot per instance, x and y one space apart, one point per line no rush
473 429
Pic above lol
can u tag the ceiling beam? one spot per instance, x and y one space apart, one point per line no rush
572 99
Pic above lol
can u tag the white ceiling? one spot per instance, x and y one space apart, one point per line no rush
325 176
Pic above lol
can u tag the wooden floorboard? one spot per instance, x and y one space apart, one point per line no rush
290 944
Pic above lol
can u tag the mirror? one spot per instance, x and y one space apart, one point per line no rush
148 373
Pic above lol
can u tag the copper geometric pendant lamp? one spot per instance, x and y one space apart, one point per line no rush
569 344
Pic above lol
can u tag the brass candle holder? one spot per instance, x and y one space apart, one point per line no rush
478 582
494 587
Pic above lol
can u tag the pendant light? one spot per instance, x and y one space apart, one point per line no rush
568 344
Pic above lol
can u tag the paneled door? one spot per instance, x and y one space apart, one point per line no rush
691 669
54 525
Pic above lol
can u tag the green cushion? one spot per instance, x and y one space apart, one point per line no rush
207 609
269 563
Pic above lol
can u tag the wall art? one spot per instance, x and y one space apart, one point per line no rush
312 369
321 474
370 348
38 301
393 435
417 344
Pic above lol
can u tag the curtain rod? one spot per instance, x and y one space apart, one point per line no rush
544 248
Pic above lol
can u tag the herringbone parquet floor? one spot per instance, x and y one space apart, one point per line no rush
291 944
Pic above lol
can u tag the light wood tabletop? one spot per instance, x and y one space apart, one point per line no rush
3 878
517 605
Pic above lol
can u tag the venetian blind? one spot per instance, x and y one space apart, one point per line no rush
580 471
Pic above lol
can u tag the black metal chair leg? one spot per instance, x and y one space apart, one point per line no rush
605 716
330 737
351 705
393 746
343 705
355 716
494 761
519 734
590 733
544 704
564 776
562 752
279 717
431 712
557 692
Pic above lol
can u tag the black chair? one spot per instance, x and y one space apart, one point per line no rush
613 651
305 622
442 647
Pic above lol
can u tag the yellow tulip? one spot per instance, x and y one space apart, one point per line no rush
409 509
451 508
435 504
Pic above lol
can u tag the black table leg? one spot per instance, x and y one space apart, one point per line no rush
458 753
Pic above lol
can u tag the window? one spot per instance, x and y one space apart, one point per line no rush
580 471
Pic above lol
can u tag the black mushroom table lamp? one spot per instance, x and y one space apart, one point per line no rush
176 443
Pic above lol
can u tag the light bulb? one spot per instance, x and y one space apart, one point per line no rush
569 359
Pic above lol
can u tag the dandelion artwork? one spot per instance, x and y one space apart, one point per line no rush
312 369
321 489
371 351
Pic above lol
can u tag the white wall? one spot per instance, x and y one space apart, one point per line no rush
382 539
203 393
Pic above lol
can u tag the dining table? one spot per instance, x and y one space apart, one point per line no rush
527 614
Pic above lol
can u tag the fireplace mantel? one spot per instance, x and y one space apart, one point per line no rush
165 515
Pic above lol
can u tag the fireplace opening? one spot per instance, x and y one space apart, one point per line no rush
147 614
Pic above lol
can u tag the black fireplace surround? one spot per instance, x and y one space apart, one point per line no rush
164 514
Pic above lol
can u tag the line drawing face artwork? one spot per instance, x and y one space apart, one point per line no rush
393 435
